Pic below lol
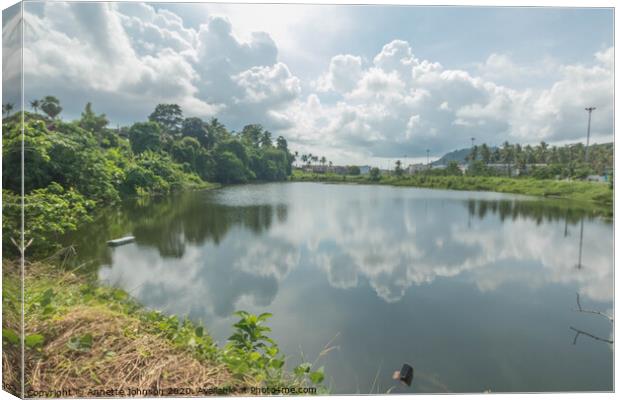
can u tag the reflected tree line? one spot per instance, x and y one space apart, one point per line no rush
539 211
171 223
544 212
536 210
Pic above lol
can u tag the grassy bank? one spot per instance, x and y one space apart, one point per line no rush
88 339
588 194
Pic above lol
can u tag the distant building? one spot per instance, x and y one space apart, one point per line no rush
597 178
335 169
502 167
413 169
318 169
339 169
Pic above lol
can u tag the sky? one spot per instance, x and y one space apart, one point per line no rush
357 84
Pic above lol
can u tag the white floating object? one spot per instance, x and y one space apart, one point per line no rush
121 241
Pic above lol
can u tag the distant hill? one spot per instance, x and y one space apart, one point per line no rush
456 155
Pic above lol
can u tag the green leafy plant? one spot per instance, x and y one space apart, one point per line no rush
304 374
34 341
10 336
251 352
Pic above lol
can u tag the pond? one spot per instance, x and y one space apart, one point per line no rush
477 291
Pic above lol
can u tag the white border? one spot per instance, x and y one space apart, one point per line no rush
485 3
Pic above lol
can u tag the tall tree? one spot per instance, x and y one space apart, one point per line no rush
169 117
91 121
7 108
217 131
282 144
50 105
541 153
398 170
485 153
252 134
265 140
145 136
196 128
35 104
506 153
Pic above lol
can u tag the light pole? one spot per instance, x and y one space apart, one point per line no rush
589 110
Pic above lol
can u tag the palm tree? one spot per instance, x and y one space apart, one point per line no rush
506 153
323 160
398 169
7 108
541 152
485 153
35 104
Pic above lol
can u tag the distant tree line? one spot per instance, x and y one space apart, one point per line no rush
544 161
541 161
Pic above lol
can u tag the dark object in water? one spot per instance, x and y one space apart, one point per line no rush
121 241
406 374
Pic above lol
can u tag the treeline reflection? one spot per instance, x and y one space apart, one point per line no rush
171 223
539 211
239 244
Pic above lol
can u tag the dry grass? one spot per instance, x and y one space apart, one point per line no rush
11 371
125 352
121 356
11 354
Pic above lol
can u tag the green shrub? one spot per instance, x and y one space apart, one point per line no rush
48 214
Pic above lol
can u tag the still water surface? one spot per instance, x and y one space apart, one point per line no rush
475 290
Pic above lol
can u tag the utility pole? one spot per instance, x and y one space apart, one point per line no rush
427 162
589 110
570 162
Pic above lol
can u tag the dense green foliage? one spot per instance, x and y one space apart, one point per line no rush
83 164
49 212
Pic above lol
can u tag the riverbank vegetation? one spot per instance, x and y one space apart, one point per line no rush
72 168
81 337
79 334
542 170
598 196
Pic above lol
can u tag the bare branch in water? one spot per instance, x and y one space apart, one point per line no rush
580 332
580 309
